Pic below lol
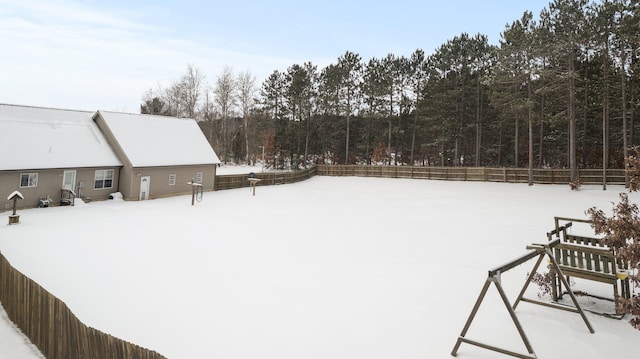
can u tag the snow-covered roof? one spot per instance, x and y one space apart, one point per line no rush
15 194
41 138
149 140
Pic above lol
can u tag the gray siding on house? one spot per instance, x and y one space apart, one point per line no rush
49 142
159 180
133 146
50 184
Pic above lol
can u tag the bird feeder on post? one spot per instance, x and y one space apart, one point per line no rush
253 181
15 196
196 191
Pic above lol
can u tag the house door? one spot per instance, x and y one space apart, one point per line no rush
69 180
144 187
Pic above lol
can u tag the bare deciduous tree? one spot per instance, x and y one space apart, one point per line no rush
225 90
190 88
246 91
171 96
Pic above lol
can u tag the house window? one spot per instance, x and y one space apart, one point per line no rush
104 179
28 180
172 180
199 177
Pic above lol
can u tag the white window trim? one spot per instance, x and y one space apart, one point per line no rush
199 177
172 179
104 177
32 180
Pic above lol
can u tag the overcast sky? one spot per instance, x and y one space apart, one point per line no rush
104 54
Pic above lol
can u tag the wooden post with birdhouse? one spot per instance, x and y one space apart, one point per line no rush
253 181
196 191
14 196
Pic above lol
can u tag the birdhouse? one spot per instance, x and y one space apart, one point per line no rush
14 196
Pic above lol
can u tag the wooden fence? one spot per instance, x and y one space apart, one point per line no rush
510 175
267 178
53 328
484 174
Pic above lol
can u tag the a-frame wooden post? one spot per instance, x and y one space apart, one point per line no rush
539 250
556 267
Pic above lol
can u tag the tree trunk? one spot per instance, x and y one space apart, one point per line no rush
211 131
517 142
500 148
572 118
224 137
413 138
633 89
478 123
246 137
346 155
398 140
306 141
389 143
541 139
605 127
585 157
542 117
516 159
368 144
530 120
625 129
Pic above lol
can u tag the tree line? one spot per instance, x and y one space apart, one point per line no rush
560 90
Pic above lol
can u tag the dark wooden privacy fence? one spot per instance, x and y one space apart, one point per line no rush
53 328
267 178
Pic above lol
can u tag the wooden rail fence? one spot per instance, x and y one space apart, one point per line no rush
509 175
484 174
53 328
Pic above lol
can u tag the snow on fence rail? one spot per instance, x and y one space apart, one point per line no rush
509 175
53 328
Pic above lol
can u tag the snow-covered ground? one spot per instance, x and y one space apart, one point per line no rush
14 344
325 268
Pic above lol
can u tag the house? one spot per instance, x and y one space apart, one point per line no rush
49 155
160 154
53 155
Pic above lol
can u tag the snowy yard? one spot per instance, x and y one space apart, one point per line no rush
325 268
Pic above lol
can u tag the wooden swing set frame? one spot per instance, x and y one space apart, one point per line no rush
537 250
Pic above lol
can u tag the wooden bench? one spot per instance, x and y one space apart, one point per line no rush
587 258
